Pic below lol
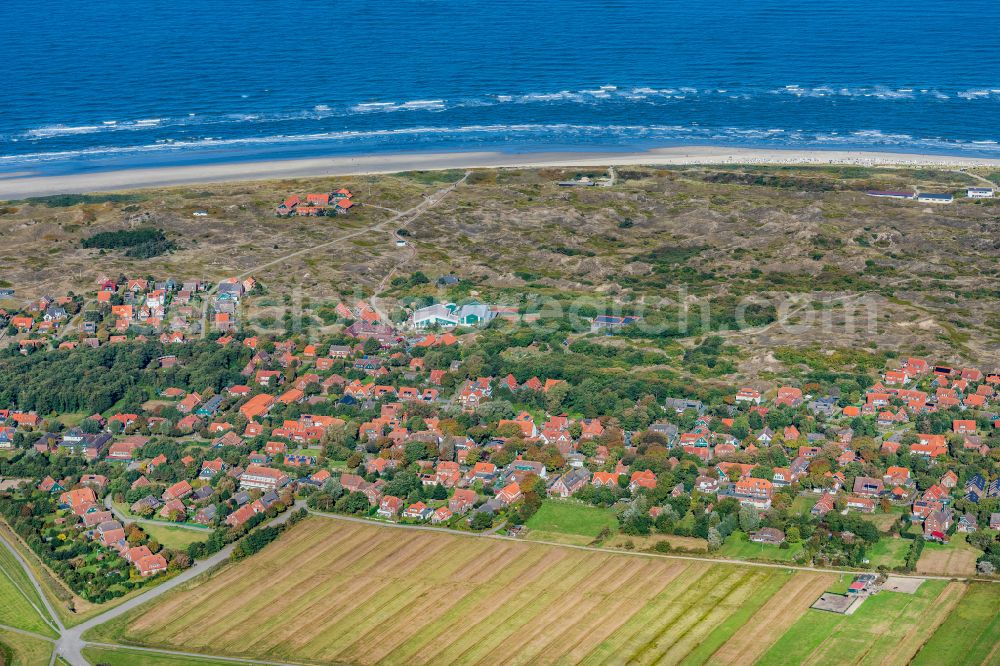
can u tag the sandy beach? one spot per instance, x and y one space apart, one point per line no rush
21 184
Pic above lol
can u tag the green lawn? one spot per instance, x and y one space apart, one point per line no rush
739 546
127 657
803 504
567 517
13 570
24 650
971 632
889 552
174 537
841 584
18 595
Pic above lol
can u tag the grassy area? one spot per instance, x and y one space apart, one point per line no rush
174 537
886 520
568 517
24 650
841 584
889 552
803 504
544 603
16 587
127 657
648 543
739 546
16 610
155 522
970 634
887 629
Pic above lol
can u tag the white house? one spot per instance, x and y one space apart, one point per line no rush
449 315
979 193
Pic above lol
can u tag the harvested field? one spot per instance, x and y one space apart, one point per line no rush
956 558
331 591
333 587
773 619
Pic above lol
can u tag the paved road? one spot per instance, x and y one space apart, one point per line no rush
55 622
70 645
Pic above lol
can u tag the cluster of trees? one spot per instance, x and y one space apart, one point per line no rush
256 540
140 243
82 563
93 380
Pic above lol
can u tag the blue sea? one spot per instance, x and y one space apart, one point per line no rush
106 84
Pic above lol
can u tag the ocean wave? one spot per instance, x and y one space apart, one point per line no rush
603 94
543 133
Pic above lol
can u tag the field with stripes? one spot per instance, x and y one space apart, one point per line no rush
330 591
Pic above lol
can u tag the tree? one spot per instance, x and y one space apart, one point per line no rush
714 539
749 519
482 520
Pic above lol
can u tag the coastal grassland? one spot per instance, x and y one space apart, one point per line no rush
23 650
327 589
766 624
513 236
888 628
970 634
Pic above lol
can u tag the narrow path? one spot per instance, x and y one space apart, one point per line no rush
25 632
58 625
27 598
976 176
391 210
415 212
196 655
109 505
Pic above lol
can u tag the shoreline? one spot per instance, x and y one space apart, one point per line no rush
22 184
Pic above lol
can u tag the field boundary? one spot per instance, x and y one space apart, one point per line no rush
600 549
